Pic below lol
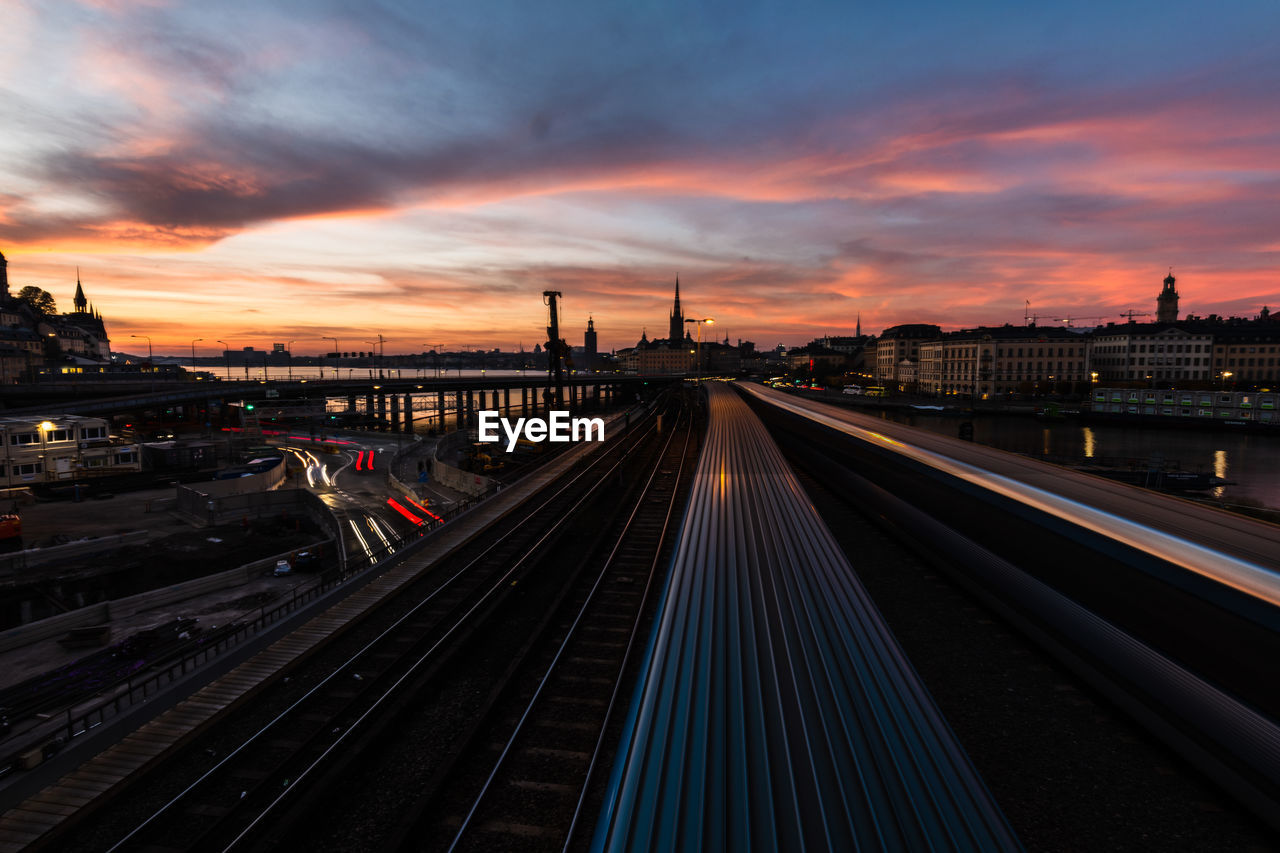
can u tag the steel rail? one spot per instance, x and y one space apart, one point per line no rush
571 635
591 467
775 708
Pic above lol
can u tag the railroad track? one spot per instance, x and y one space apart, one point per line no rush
253 782
527 780
774 708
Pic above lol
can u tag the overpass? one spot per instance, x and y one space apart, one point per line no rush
389 399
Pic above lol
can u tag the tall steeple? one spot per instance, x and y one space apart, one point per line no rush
4 278
589 344
80 302
1167 301
858 330
676 333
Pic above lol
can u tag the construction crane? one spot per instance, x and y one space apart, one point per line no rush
1029 319
435 348
1069 319
558 351
1131 314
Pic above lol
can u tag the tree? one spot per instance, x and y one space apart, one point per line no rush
38 298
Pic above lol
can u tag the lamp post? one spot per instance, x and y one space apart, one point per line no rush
193 353
45 426
149 357
226 357
704 321
288 350
1226 374
378 353
336 354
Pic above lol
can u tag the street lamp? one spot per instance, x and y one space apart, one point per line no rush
1226 374
379 352
45 426
226 357
288 349
148 337
193 353
336 354
704 321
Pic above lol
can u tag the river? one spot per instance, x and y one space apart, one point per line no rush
1250 460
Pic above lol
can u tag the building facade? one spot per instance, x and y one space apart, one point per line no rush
899 344
61 447
1247 353
1156 352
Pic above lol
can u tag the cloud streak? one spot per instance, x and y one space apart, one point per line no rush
794 169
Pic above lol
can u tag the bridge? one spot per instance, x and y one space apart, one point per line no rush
391 401
766 621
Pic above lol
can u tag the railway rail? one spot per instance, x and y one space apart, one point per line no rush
534 792
775 708
251 784
211 810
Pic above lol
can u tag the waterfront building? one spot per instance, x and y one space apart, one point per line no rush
74 342
1158 352
898 345
929 367
1247 350
821 359
989 361
665 361
61 447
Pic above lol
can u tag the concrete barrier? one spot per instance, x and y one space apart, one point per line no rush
267 480
467 482
18 560
54 626
104 612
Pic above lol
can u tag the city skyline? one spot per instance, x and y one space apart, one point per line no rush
302 171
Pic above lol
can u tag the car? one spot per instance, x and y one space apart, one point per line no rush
853 389
306 561
282 568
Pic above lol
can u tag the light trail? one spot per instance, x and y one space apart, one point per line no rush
363 544
373 525
1250 578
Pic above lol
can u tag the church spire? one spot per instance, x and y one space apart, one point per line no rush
80 302
676 333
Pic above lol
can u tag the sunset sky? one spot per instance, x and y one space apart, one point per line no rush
275 171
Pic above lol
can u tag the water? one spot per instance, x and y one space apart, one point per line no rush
1251 460
317 372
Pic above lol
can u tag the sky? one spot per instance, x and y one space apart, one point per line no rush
263 172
